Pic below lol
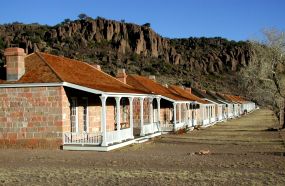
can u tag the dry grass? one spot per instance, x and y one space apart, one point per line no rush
242 152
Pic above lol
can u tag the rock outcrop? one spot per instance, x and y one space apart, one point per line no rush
115 44
126 38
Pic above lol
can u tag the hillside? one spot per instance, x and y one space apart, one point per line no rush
207 62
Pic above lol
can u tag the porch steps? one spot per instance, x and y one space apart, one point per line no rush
147 137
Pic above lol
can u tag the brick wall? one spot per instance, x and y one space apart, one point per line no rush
136 111
33 117
166 111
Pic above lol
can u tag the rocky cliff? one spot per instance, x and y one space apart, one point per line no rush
137 48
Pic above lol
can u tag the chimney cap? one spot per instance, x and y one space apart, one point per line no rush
121 71
188 89
152 77
98 67
14 52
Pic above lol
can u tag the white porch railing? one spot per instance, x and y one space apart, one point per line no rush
82 138
156 127
151 128
220 118
148 128
179 125
230 115
206 122
166 127
119 135
170 127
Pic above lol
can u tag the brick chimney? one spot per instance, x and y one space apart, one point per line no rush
121 75
188 89
15 63
151 77
98 67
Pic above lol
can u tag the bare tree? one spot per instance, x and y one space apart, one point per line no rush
265 76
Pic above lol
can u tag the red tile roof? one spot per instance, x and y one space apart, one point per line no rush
182 92
47 68
36 71
232 98
145 84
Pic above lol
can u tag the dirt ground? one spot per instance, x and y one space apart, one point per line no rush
242 152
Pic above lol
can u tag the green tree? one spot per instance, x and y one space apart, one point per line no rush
67 20
2 45
82 16
146 25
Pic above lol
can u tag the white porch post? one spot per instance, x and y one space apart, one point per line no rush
150 110
195 116
203 115
118 116
141 116
206 113
103 121
210 112
158 114
174 116
158 109
179 112
131 117
118 113
188 114
151 114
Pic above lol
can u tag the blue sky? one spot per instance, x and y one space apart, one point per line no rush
231 19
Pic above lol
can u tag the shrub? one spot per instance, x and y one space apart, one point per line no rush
146 25
2 45
82 16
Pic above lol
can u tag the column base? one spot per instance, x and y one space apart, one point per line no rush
104 145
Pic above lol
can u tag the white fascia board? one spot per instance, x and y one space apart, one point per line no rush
224 101
184 101
211 101
79 87
135 95
65 84
109 94
22 85
168 99
174 101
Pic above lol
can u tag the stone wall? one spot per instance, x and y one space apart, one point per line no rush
136 111
33 117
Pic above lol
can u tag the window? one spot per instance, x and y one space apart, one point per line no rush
73 115
85 115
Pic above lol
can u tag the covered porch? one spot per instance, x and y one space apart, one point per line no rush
177 115
107 122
